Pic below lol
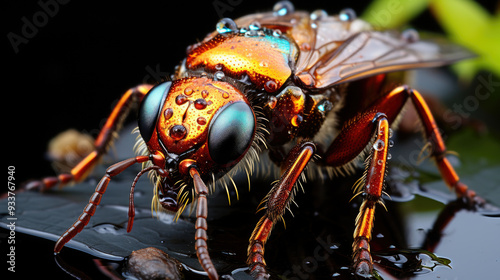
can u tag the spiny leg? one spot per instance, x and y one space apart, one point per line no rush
201 246
372 191
95 200
278 200
357 133
103 141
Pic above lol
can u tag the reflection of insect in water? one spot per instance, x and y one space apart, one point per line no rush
309 89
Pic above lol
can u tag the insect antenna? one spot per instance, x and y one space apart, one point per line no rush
131 206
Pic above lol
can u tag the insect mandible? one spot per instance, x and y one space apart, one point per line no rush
310 89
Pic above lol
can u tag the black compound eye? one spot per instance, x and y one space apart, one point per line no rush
150 108
231 133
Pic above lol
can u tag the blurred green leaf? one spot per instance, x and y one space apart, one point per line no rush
470 25
393 13
465 22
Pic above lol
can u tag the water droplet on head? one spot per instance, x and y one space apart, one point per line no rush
389 156
168 113
391 143
201 121
318 15
200 104
276 33
379 145
225 95
188 91
226 25
177 132
379 162
410 35
263 63
347 14
219 67
204 93
181 99
283 8
391 132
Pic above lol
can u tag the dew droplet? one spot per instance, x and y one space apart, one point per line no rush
263 64
318 15
200 104
272 101
168 113
391 132
219 75
204 93
379 162
378 145
225 95
283 8
325 106
251 33
296 120
201 121
254 25
389 156
270 86
410 35
276 33
226 25
391 143
181 99
347 14
219 66
188 91
177 132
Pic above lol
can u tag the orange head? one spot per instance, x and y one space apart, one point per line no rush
195 122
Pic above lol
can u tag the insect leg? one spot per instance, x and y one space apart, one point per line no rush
95 199
438 151
103 141
278 200
372 192
201 225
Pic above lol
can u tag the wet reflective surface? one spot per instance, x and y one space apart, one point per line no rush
315 244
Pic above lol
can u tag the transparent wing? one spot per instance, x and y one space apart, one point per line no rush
369 53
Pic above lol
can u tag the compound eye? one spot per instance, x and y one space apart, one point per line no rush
150 108
231 133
